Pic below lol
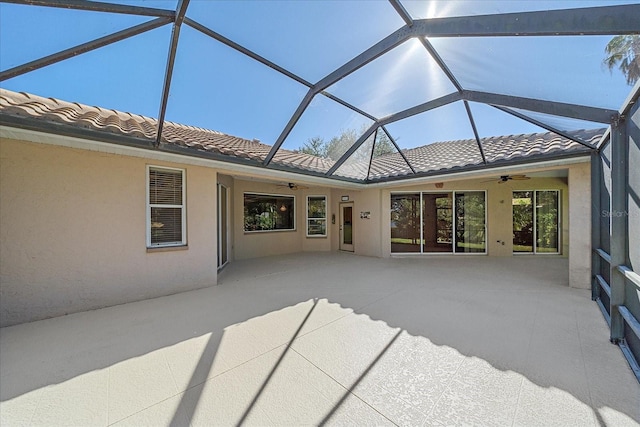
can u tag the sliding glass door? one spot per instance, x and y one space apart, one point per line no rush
405 223
437 222
522 202
445 222
536 221
470 222
547 221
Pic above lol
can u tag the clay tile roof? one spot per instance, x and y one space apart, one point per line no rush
105 120
448 155
438 156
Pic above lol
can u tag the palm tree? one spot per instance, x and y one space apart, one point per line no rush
624 51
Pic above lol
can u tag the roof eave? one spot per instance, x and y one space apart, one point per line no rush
481 170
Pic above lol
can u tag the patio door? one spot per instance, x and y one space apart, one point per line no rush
346 227
223 225
536 221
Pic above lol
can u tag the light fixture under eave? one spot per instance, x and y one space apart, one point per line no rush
283 208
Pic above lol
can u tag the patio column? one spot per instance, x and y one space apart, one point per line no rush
579 226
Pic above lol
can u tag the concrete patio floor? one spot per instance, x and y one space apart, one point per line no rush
331 338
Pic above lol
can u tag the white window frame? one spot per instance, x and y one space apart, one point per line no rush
183 216
326 225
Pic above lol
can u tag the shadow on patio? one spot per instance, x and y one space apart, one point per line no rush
331 338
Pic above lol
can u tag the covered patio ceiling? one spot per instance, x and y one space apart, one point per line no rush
350 81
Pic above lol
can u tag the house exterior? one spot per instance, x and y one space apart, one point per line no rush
94 214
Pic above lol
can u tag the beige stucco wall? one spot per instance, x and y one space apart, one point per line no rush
73 227
73 232
259 244
367 232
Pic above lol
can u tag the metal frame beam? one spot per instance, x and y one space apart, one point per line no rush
619 231
475 131
402 12
352 149
222 39
393 141
181 10
373 150
581 112
606 20
544 126
601 20
383 46
83 48
383 129
436 57
289 126
95 6
349 106
596 215
429 105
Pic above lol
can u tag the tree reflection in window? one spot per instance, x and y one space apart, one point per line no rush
405 223
263 212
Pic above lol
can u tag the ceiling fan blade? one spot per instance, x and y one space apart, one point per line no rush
520 177
292 186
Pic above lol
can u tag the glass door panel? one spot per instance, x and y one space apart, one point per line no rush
405 223
547 222
223 226
437 220
522 203
348 223
346 227
470 222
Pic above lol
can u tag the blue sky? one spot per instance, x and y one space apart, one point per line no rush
218 88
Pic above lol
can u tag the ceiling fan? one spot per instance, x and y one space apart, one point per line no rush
292 186
505 178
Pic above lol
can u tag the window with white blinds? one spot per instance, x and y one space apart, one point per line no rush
165 207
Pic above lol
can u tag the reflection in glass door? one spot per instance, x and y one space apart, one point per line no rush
405 223
522 203
547 221
438 222
536 221
470 222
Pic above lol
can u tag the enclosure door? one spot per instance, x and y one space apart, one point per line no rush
223 225
346 227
